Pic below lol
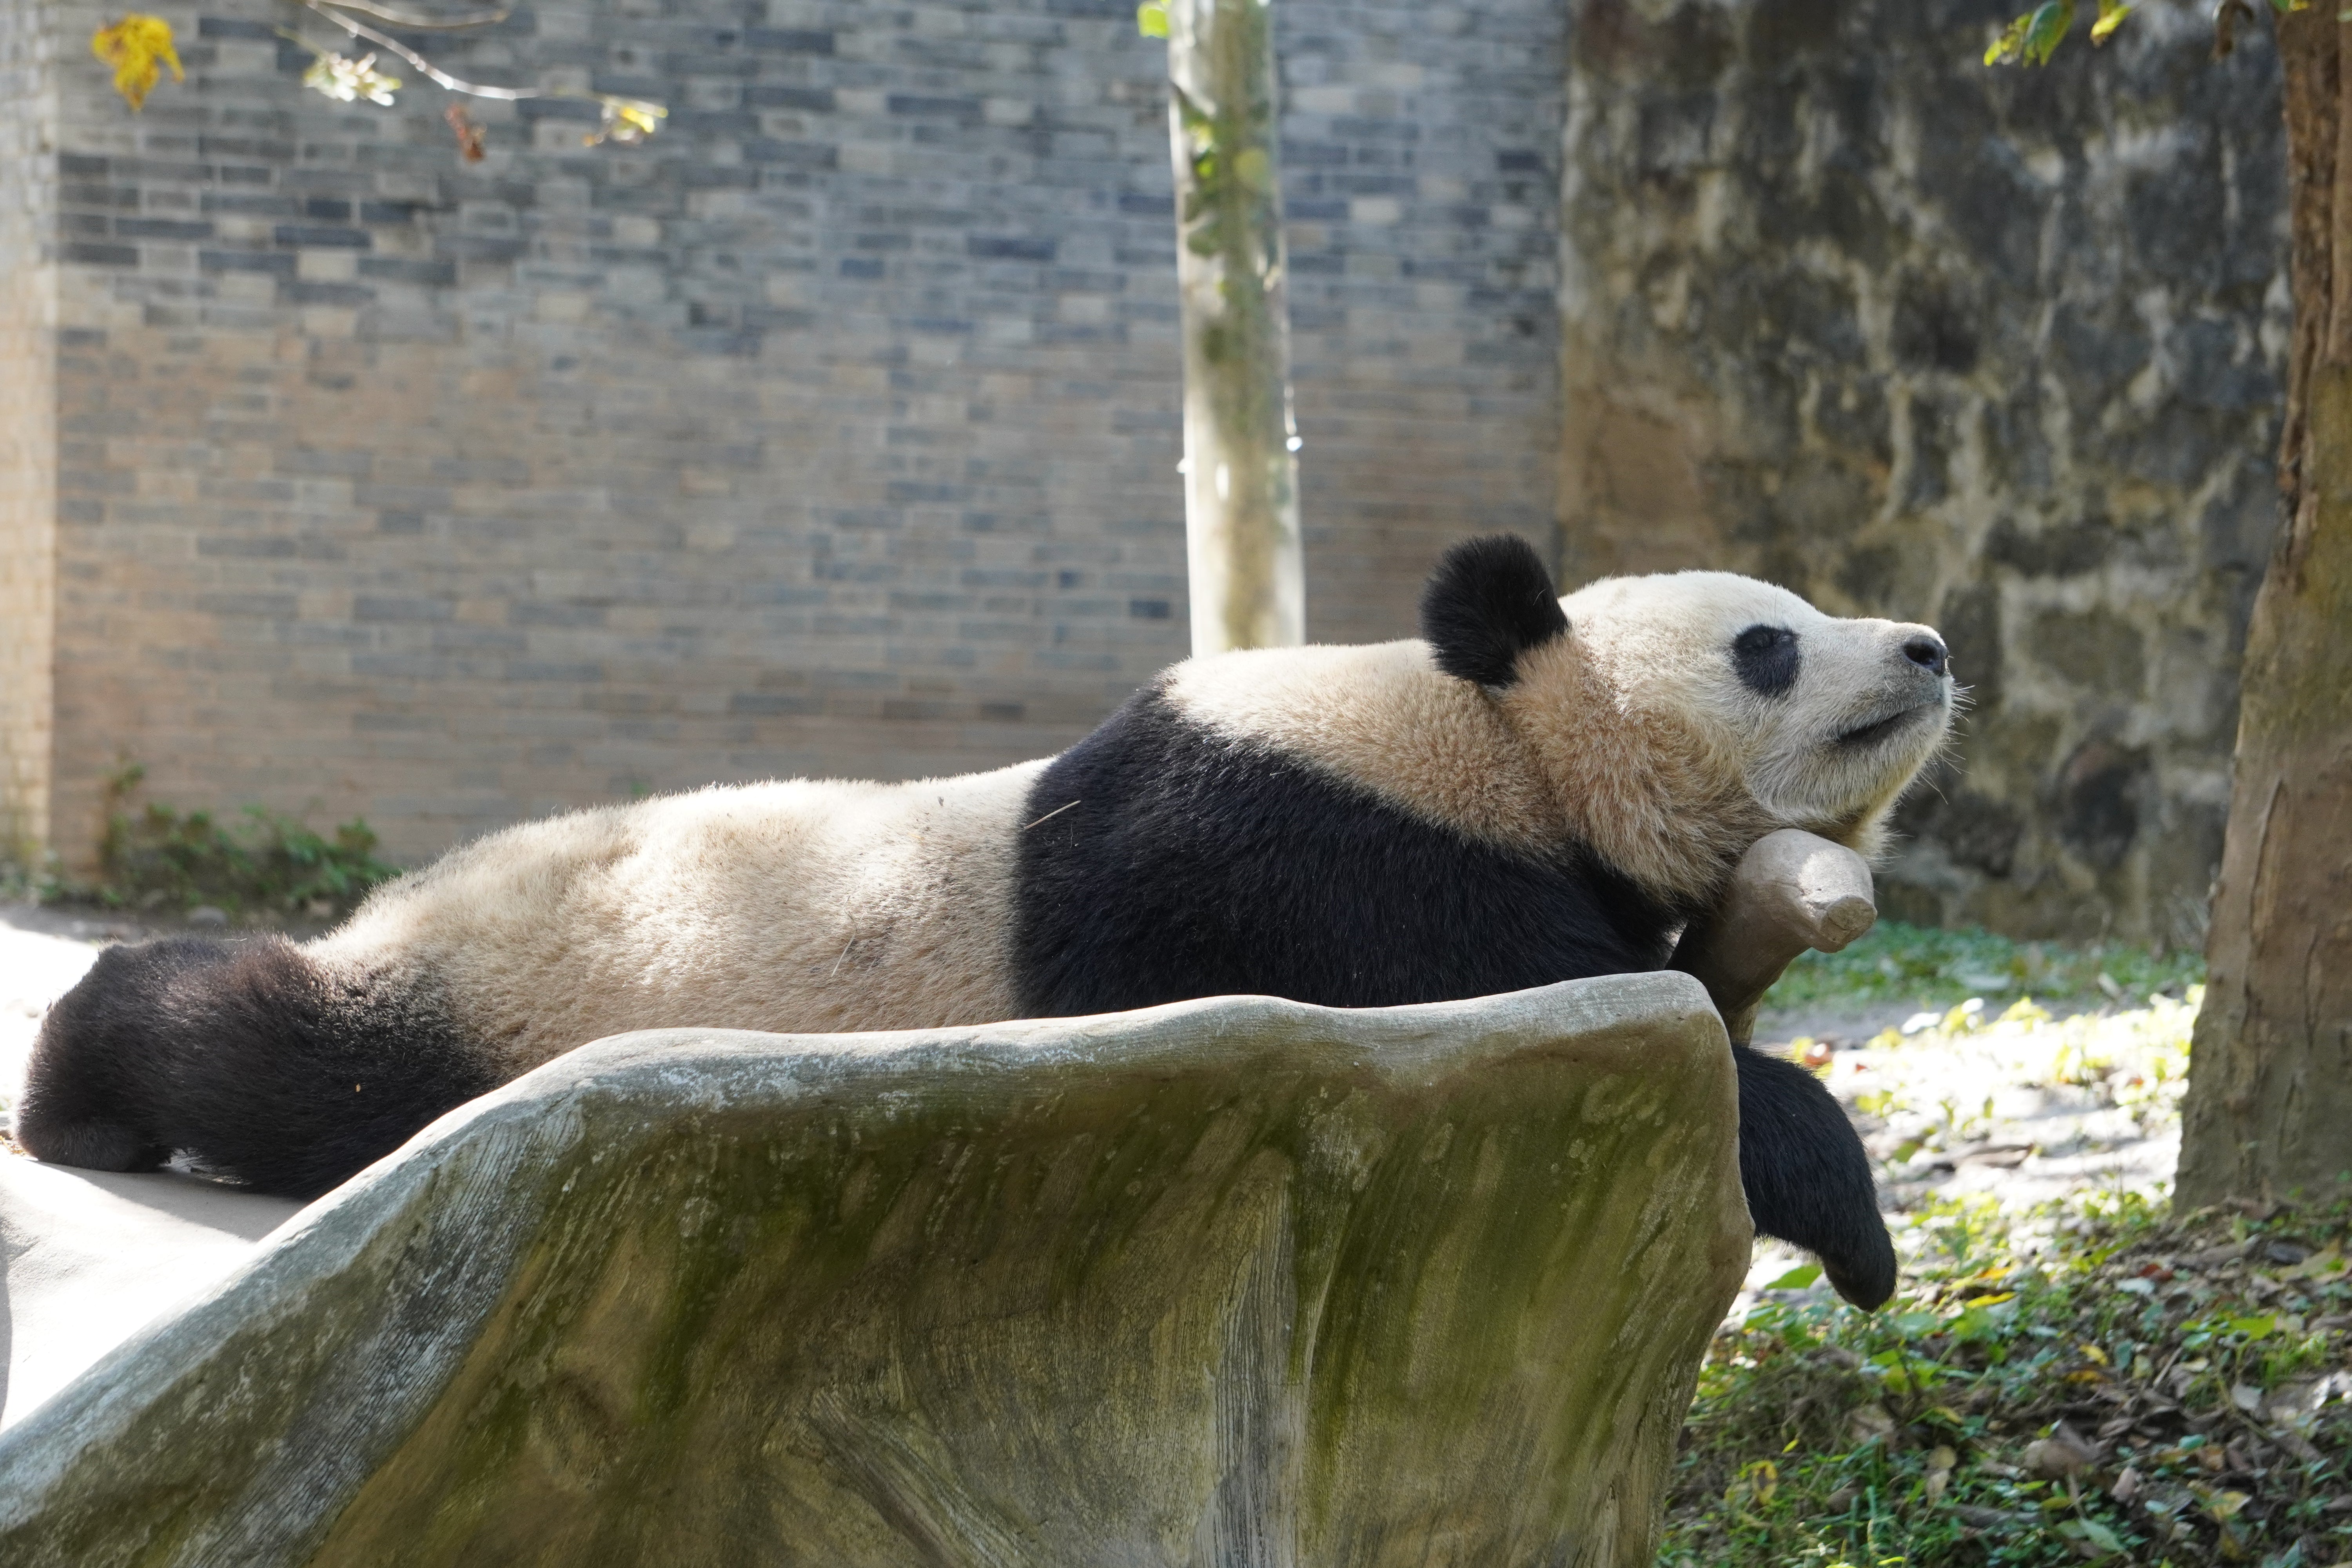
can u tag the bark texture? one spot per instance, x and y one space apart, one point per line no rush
1240 488
2269 1087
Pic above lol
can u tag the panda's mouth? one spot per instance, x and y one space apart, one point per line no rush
1877 729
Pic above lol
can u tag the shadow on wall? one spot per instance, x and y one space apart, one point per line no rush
1998 349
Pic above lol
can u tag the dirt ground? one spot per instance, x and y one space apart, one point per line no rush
2036 1106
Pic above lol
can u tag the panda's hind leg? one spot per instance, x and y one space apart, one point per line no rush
1807 1177
246 1054
88 1086
92 1143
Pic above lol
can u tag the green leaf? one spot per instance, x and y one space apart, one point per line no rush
2033 38
1975 1323
2004 49
2045 30
2253 1327
2092 1535
1151 19
2111 16
1797 1278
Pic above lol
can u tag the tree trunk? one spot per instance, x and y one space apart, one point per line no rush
2269 1087
1241 488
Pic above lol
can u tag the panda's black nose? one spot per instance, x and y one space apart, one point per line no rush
1928 652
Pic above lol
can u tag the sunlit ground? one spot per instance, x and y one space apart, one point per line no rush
2070 1373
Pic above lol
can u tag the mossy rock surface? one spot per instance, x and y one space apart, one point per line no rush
1236 1281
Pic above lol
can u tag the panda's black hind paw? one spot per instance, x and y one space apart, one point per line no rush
90 1145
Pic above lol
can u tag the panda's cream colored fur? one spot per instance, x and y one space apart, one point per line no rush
1385 718
804 906
824 907
1631 734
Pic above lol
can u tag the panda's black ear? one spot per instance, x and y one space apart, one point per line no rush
1489 601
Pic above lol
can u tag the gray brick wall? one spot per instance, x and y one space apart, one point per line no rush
833 431
1422 153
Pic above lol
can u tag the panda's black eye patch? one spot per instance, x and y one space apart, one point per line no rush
1766 659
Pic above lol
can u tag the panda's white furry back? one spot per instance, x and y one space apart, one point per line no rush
1537 790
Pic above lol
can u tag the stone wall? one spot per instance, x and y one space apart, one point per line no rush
1998 349
833 431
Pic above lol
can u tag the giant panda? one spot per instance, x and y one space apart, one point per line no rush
1536 789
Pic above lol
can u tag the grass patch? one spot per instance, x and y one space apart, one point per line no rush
1896 963
155 857
2091 1383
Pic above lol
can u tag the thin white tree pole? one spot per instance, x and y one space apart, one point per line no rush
1241 470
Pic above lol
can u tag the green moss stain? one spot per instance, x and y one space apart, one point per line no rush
995 1319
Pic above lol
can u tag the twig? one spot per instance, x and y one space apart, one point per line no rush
410 20
455 84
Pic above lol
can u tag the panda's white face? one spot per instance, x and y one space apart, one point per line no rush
1826 718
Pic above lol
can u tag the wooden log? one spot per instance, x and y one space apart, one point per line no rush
1793 891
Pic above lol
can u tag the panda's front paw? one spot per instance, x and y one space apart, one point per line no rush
1865 1277
1806 1178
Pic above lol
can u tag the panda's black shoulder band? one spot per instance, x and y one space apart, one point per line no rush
1489 601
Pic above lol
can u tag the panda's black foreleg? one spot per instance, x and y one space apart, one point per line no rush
1807 1177
246 1054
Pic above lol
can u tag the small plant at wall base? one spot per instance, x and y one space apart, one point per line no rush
155 857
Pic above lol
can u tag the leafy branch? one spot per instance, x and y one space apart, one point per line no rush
2032 38
138 46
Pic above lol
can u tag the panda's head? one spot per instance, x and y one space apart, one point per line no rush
1683 716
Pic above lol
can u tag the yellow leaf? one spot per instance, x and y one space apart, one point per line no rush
627 120
2111 16
133 47
1151 19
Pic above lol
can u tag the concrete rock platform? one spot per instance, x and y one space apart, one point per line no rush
88 1257
1234 1281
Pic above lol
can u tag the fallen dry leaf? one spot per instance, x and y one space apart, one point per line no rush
2061 1455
